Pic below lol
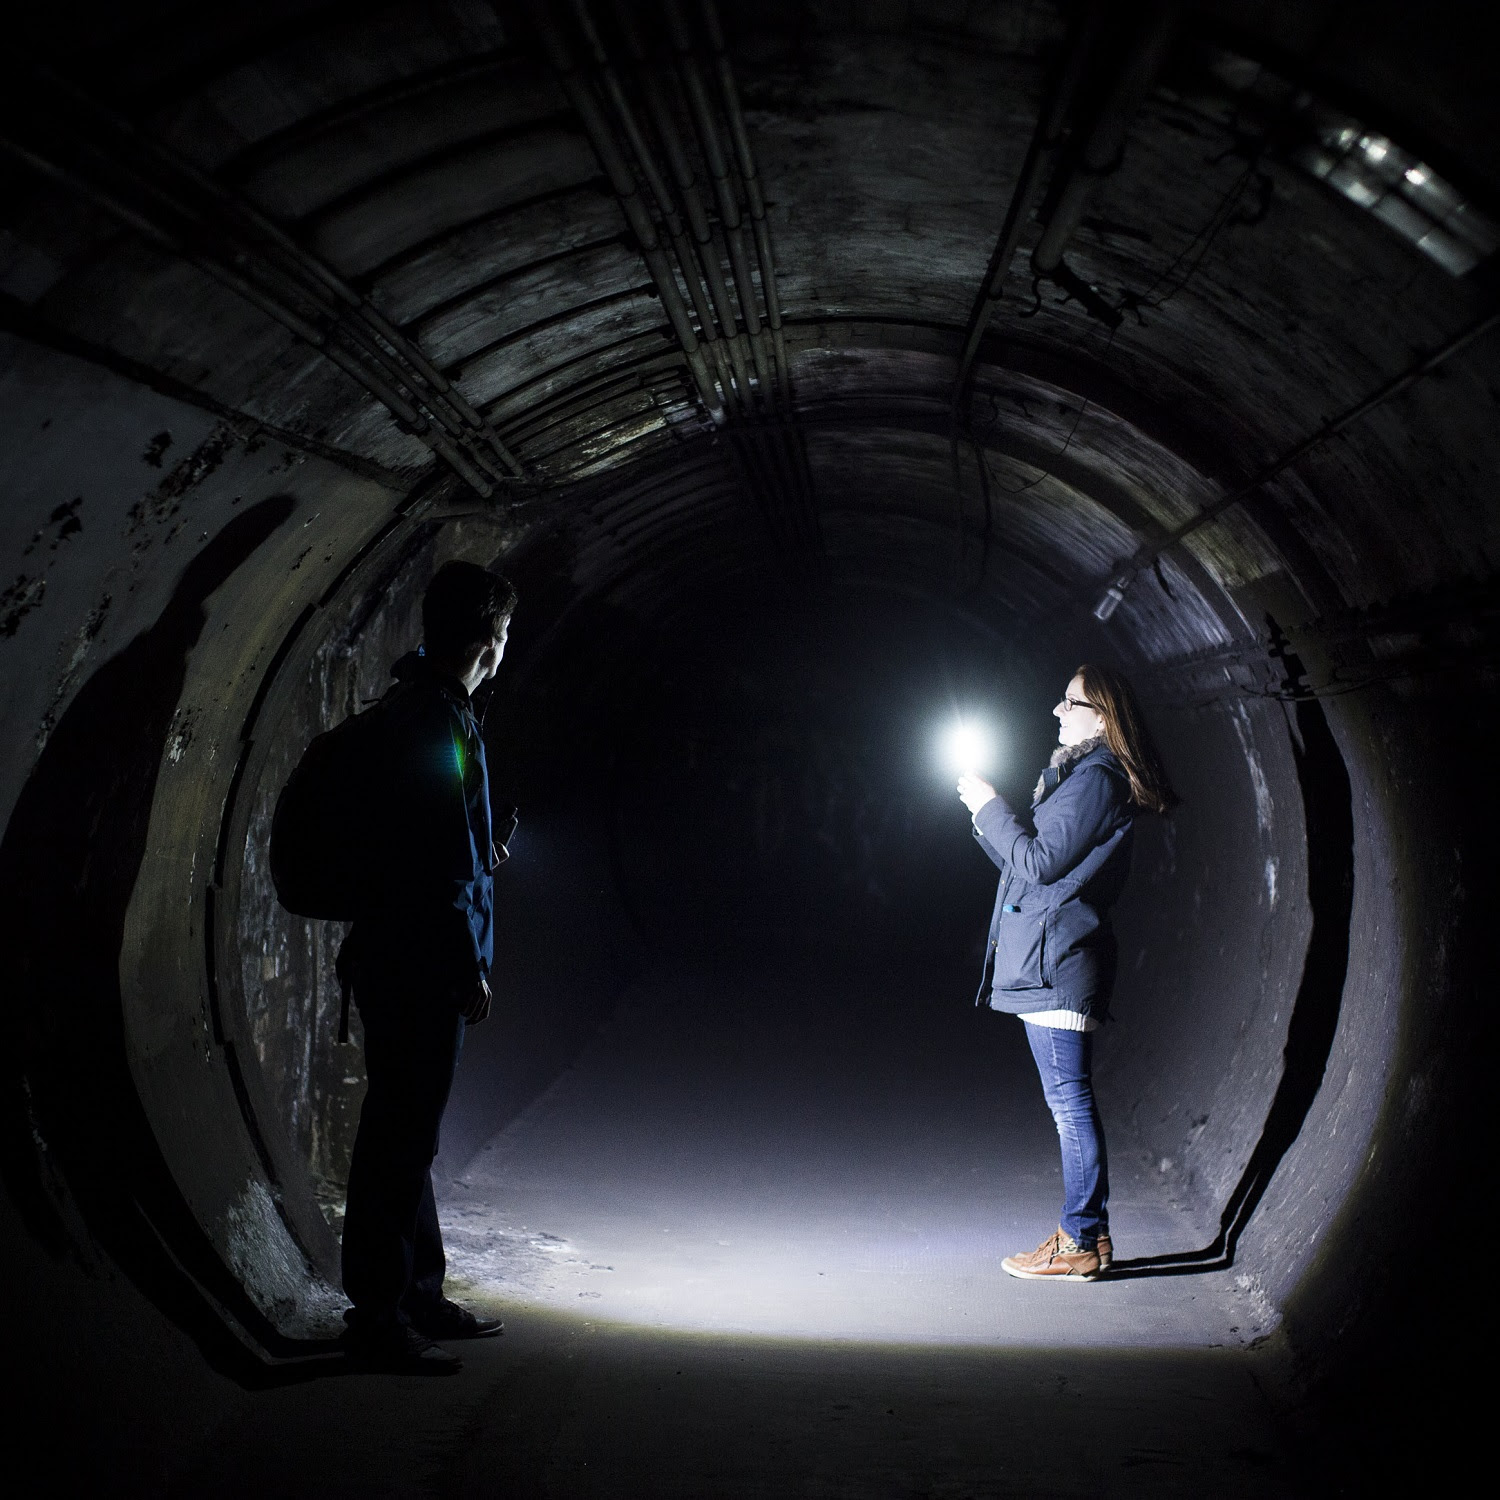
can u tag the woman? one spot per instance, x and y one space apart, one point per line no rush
1051 954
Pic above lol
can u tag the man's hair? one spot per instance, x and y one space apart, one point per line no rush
1126 735
465 605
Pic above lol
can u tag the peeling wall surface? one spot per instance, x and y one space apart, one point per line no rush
812 369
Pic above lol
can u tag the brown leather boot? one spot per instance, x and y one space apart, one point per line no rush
1106 1249
1057 1258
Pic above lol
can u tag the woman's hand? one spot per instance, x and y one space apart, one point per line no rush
974 792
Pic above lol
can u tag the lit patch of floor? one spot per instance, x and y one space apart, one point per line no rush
755 1156
748 1248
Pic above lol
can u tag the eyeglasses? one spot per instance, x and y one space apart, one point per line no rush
1075 702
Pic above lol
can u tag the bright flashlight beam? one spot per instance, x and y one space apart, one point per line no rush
967 747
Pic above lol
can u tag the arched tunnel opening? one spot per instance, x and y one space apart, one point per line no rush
819 375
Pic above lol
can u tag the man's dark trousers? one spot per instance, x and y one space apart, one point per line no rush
393 1249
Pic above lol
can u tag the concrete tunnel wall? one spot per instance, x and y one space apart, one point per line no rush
217 542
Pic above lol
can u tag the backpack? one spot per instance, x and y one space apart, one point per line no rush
320 831
322 845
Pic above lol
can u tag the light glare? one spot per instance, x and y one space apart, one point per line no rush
967 747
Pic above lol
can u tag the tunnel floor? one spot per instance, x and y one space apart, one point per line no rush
748 1246
560 1409
787 1153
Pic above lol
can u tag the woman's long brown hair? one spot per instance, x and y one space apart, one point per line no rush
1125 733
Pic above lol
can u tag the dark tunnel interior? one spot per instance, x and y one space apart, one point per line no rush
821 374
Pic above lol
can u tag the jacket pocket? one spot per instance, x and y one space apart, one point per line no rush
1020 951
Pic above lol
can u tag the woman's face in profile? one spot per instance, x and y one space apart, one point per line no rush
1077 719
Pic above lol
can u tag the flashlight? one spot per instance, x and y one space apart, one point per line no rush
967 748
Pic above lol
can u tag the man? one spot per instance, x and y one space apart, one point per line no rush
419 958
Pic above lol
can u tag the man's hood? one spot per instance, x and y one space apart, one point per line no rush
410 667
416 666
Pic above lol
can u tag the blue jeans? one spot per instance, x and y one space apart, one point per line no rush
1065 1059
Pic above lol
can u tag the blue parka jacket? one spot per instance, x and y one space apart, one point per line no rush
432 913
1050 944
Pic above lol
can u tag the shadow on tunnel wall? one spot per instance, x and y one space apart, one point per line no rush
74 1137
1327 804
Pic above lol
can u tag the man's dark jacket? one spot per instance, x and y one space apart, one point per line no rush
1050 944
430 917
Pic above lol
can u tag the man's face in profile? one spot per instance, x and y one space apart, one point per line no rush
492 655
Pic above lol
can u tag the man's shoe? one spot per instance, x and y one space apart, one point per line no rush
447 1320
396 1349
1106 1249
1057 1258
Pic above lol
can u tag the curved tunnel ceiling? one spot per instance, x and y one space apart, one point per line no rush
702 311
546 247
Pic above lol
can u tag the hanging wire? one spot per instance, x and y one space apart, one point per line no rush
1197 247
1340 688
1222 216
1043 471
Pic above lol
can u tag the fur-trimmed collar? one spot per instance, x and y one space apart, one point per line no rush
1064 758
